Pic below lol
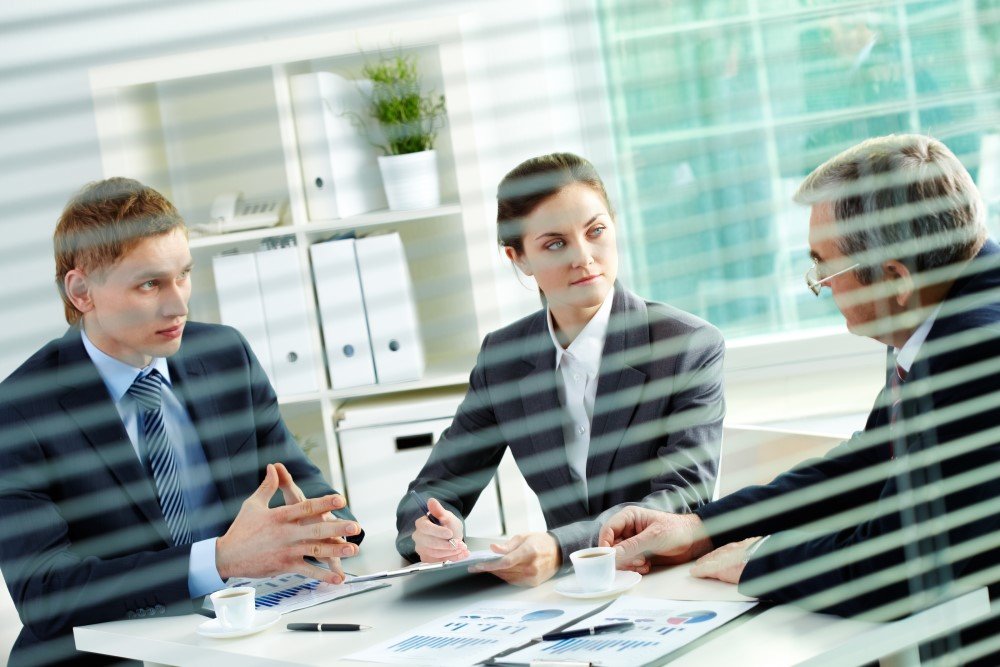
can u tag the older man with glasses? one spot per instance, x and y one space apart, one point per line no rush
903 513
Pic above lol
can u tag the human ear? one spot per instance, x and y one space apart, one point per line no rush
518 260
77 287
897 273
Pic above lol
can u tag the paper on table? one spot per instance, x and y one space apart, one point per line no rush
475 633
661 626
288 592
473 558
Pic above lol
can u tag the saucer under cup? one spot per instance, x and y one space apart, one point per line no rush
594 569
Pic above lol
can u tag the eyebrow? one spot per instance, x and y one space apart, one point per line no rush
556 234
149 275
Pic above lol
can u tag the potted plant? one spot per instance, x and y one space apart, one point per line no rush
408 122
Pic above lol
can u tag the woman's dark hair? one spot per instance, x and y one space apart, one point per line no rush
533 181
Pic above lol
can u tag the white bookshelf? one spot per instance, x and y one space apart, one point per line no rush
195 125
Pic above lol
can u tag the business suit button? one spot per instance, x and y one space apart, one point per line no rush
141 613
160 609
130 615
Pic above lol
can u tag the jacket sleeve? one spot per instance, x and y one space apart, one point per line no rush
936 523
460 464
53 586
687 458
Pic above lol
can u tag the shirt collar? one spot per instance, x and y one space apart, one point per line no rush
587 347
117 375
906 354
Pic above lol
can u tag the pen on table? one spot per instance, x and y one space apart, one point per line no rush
327 627
583 632
423 508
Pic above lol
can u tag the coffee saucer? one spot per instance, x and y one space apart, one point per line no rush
624 580
262 620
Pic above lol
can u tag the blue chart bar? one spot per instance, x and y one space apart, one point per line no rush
607 645
275 598
665 631
422 641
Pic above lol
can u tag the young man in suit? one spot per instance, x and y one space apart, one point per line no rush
140 452
903 512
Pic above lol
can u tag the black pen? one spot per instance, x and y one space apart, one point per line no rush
583 632
327 627
423 508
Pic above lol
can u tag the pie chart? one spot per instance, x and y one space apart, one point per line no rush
691 617
542 614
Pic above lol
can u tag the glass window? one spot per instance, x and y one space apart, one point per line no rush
721 107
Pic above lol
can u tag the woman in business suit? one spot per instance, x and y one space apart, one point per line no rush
603 398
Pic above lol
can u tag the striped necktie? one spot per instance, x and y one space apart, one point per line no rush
146 390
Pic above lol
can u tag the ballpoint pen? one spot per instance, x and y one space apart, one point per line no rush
583 632
327 627
423 508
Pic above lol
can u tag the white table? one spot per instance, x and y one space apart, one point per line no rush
781 635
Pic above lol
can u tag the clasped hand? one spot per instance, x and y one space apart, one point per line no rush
263 542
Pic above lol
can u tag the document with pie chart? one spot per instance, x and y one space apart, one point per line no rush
661 626
475 633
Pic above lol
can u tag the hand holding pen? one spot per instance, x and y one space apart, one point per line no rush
436 531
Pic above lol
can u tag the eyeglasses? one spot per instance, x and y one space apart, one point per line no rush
815 283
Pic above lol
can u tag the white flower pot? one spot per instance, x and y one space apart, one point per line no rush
411 180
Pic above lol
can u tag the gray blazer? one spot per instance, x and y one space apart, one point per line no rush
655 437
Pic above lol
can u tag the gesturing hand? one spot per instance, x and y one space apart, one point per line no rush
643 537
263 542
293 495
528 560
431 541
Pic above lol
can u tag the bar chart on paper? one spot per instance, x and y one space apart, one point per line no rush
660 626
474 634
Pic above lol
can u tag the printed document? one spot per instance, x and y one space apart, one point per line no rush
475 634
661 626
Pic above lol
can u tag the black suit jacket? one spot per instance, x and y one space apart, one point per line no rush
655 433
857 529
83 539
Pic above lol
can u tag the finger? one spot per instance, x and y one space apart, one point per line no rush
431 554
606 536
316 572
425 526
629 550
439 512
267 487
293 494
322 549
310 507
323 530
509 545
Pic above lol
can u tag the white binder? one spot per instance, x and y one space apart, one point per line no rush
342 314
240 303
392 314
339 166
292 353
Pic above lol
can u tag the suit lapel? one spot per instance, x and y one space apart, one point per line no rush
619 387
194 387
544 420
88 404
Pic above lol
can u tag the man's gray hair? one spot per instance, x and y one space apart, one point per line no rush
904 197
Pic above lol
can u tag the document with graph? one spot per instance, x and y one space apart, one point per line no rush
661 626
475 633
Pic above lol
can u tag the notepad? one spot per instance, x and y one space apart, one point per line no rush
473 558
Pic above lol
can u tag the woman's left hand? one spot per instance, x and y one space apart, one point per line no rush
528 559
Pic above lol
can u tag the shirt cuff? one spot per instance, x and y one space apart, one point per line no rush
203 577
748 554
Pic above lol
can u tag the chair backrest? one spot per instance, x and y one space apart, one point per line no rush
756 455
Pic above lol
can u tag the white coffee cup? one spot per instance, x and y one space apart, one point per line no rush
234 607
594 568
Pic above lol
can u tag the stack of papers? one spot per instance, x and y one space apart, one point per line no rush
289 592
473 558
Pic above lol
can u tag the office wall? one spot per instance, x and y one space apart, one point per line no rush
526 61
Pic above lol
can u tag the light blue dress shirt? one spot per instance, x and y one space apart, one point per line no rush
198 490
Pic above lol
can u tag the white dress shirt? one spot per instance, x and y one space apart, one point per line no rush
577 371
906 354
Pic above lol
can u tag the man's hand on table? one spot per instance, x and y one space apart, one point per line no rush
528 559
643 537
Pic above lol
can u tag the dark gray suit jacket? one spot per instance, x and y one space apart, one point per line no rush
83 538
655 436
